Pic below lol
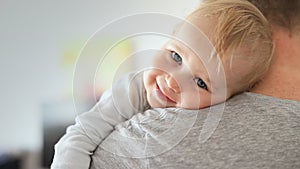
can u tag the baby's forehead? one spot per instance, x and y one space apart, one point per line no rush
199 34
193 37
198 21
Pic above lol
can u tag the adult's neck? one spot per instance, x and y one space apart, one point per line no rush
283 78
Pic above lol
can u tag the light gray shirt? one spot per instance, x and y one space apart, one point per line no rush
255 131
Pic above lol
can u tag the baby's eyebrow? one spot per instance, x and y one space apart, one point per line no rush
206 74
180 47
176 28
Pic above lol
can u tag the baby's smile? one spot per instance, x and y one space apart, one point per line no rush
162 94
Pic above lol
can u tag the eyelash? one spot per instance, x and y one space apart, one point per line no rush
177 58
199 82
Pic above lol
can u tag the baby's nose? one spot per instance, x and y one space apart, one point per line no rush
172 84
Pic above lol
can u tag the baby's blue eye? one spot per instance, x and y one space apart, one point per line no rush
200 83
177 58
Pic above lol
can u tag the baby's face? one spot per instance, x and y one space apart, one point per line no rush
184 76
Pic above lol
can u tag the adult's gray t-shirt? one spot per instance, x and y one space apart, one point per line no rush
255 131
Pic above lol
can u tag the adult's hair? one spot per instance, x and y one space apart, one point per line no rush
282 13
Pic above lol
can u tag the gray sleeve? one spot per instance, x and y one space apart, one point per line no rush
123 100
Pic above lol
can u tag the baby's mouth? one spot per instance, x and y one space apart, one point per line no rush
162 95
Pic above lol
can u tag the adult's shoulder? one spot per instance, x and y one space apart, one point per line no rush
253 101
247 131
258 110
254 131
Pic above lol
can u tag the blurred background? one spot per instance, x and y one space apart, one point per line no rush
39 44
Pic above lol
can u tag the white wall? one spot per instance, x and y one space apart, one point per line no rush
33 35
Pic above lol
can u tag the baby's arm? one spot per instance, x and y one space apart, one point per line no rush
75 148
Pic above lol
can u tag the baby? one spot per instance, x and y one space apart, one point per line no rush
192 71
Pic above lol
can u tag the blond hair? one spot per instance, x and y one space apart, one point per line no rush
241 32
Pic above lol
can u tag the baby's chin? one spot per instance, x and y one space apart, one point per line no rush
156 104
154 101
187 107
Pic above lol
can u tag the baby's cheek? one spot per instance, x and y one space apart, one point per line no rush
198 100
150 74
189 101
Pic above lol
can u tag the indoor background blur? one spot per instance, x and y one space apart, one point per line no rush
39 44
